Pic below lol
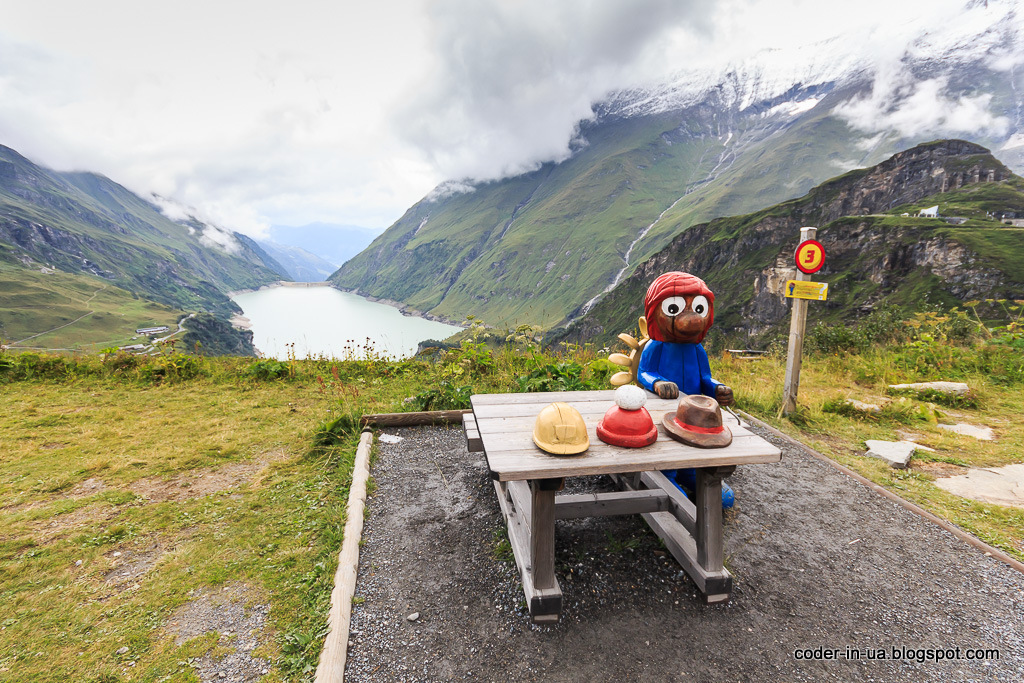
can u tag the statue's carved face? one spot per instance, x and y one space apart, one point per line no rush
683 318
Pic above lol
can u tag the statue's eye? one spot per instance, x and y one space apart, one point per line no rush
673 306
700 306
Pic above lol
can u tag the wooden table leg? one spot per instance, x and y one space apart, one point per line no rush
532 535
542 534
692 533
708 531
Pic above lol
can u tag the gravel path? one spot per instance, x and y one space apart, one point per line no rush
819 563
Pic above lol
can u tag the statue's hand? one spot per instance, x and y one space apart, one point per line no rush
723 395
666 389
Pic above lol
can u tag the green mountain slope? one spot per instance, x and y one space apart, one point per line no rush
45 308
82 223
537 247
876 256
547 245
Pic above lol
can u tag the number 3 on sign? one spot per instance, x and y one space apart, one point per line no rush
810 256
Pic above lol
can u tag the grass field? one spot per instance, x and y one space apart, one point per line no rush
132 490
57 310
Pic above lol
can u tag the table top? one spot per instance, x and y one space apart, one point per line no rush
505 423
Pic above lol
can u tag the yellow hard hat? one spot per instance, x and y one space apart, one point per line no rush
560 430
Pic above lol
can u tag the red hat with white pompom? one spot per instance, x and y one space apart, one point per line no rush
627 423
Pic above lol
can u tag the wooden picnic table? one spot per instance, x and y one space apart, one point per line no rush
527 479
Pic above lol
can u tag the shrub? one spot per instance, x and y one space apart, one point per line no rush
445 396
268 369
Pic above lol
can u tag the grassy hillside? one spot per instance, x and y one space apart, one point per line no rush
535 248
82 223
876 257
55 310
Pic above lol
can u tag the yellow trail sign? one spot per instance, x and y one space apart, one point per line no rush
798 289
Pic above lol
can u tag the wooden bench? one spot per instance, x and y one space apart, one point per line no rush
527 479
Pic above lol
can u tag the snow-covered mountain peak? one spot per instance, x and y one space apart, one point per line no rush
991 32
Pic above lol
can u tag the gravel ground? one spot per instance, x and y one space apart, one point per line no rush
819 561
240 625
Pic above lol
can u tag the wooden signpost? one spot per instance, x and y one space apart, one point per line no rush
810 257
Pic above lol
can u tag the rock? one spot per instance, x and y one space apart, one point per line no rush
896 453
863 407
980 433
122 650
998 485
951 388
414 616
389 438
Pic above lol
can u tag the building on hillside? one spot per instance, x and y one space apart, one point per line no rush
930 212
152 330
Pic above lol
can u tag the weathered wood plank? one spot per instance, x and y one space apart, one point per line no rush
606 504
523 424
519 492
545 604
529 462
542 534
413 419
474 444
708 495
544 397
717 585
681 506
331 667
659 406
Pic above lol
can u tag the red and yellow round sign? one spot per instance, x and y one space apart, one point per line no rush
810 256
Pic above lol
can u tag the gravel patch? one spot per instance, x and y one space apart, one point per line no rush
820 563
239 626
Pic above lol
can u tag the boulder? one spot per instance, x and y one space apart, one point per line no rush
896 453
862 407
980 433
951 388
999 485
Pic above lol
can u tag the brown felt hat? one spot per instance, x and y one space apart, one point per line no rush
698 422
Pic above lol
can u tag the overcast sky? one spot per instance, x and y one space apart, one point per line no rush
259 113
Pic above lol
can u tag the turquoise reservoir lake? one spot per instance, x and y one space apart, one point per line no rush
322 321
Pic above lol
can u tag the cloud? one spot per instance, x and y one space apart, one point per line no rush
511 82
265 113
921 109
216 238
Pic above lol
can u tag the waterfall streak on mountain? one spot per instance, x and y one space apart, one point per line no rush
726 153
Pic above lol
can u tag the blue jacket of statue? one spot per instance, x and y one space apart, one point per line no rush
685 364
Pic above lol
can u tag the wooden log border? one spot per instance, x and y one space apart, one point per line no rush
331 667
433 417
979 544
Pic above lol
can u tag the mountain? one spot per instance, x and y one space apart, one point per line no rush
545 246
878 253
301 265
83 223
332 242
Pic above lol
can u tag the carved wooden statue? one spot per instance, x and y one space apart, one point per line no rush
679 309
